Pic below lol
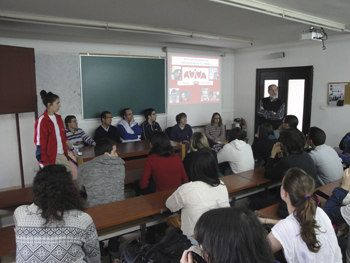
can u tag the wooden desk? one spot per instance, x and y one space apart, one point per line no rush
122 211
7 241
14 198
256 175
127 151
328 189
269 212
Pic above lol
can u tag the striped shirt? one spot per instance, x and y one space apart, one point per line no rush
78 138
215 132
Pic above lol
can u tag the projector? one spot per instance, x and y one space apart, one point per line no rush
311 36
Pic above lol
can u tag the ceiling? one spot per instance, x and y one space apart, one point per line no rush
192 16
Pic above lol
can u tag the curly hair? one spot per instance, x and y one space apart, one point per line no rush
55 193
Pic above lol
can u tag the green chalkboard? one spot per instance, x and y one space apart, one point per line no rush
114 83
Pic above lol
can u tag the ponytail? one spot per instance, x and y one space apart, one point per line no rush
300 186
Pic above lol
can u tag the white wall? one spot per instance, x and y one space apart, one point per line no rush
330 65
10 173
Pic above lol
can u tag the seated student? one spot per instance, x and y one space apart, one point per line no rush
197 143
162 166
328 165
204 192
263 142
289 122
292 144
149 125
54 228
344 144
128 128
306 235
75 135
230 235
215 130
102 179
237 152
338 212
181 132
106 130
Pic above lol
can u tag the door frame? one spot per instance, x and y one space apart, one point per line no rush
283 75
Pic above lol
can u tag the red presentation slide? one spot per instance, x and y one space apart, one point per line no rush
194 80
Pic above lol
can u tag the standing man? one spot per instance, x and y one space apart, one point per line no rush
106 130
102 179
271 109
149 125
129 128
75 135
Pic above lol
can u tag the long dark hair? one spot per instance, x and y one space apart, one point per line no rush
54 192
161 144
299 184
212 119
232 235
265 130
48 97
205 168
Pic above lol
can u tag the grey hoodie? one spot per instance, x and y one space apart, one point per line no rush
102 179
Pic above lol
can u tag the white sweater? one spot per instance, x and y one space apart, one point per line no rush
239 155
194 199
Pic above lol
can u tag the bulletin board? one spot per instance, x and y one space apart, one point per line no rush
338 90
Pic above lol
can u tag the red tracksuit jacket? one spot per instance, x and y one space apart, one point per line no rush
45 139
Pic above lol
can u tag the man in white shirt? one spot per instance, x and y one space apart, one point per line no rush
328 165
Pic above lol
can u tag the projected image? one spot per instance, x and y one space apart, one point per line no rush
176 73
214 96
185 96
174 96
205 95
195 76
213 73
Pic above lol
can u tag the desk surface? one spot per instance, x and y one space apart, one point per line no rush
25 196
256 175
122 211
269 212
7 241
124 150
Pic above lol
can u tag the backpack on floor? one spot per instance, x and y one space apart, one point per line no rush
168 250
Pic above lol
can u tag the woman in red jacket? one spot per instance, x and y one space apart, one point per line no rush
162 166
50 135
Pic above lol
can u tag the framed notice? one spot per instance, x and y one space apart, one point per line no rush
338 94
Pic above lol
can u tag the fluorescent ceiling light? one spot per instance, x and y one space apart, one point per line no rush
60 21
276 11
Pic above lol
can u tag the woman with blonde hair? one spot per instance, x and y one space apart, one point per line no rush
306 235
197 143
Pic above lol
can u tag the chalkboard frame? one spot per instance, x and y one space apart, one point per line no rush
99 83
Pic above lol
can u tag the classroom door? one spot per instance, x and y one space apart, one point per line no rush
294 89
